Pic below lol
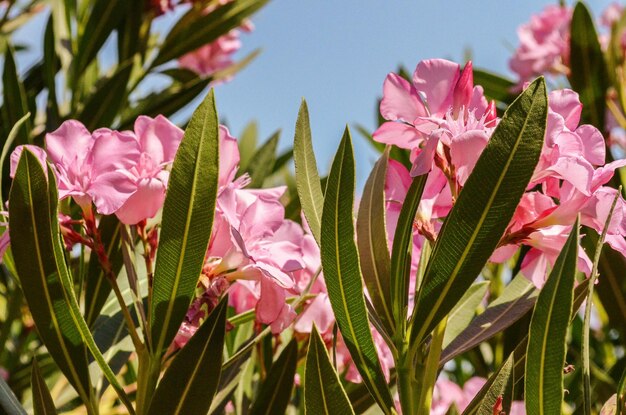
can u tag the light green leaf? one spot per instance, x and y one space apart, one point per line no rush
463 312
515 301
194 374
483 209
42 401
9 404
588 74
8 145
372 244
323 392
545 356
186 226
247 143
275 393
307 176
342 273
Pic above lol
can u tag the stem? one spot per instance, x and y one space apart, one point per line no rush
407 385
147 377
586 323
431 368
131 274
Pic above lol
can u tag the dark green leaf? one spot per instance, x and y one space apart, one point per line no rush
8 145
187 224
483 402
42 401
545 356
588 74
202 28
262 162
483 209
323 392
516 300
194 374
275 392
97 288
307 176
402 250
372 243
495 86
342 273
51 66
9 404
104 17
103 105
15 103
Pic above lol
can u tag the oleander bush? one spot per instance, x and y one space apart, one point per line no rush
150 269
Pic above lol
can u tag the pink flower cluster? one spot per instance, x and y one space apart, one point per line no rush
121 172
445 121
544 44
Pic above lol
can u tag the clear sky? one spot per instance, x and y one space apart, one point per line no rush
336 54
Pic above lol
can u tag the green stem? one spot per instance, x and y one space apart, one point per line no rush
431 368
407 386
147 378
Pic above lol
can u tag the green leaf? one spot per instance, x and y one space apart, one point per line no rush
9 404
307 176
199 28
58 312
97 288
194 373
495 86
483 209
8 145
34 235
42 401
402 250
342 273
247 143
323 392
483 402
51 66
545 356
103 105
15 103
263 161
372 243
104 17
187 224
463 312
516 300
275 393
588 74
166 102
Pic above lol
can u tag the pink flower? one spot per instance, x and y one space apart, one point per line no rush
441 117
544 44
93 167
611 14
158 140
213 57
448 394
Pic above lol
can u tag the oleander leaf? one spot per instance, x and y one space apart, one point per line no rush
42 401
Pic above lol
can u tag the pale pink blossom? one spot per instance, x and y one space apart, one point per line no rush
448 394
158 140
93 167
611 14
213 57
544 44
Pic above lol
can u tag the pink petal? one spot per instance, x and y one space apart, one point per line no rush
566 103
436 79
400 100
424 161
158 137
109 191
69 144
229 157
465 149
113 150
400 134
594 147
144 203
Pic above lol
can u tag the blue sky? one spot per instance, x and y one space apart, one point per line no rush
336 54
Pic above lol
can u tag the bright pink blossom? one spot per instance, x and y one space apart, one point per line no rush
544 44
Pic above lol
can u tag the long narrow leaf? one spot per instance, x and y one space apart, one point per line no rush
462 313
484 208
42 401
191 380
323 392
14 96
342 273
275 393
307 176
263 161
545 356
9 404
483 402
372 243
186 226
588 74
